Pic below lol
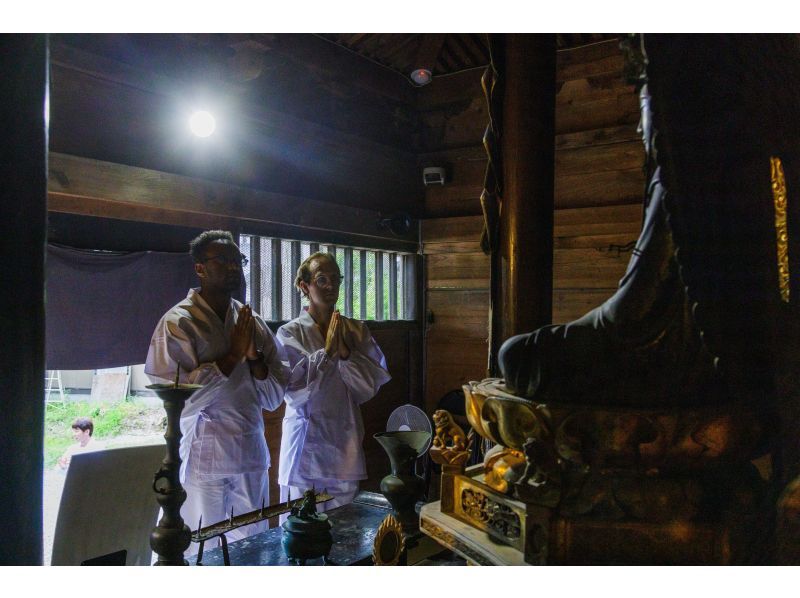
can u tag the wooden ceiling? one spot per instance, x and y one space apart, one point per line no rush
306 115
441 53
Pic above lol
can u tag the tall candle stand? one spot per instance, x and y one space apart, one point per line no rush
171 537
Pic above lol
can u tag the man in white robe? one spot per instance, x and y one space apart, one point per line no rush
224 346
335 367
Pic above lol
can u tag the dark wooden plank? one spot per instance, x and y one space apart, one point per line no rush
88 180
405 45
465 363
462 172
453 200
458 271
458 315
348 282
109 208
446 90
277 283
379 304
605 242
452 230
588 268
255 273
591 89
458 48
457 247
458 124
412 285
571 304
392 286
605 175
428 50
452 155
362 284
565 219
597 137
614 148
295 257
626 155
596 114
375 412
477 45
616 187
579 70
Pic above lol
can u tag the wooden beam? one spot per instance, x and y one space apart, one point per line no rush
95 188
428 51
526 223
315 53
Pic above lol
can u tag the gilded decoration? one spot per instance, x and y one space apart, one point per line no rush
498 517
611 463
581 436
389 543
449 446
503 468
781 231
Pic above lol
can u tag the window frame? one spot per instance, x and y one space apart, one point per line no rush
393 284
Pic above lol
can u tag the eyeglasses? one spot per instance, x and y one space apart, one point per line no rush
241 261
324 281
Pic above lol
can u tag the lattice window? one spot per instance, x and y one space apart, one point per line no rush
374 283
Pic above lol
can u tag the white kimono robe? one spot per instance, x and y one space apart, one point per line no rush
222 423
322 428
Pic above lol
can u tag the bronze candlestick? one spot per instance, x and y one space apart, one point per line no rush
171 537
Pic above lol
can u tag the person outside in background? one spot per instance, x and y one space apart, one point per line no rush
82 430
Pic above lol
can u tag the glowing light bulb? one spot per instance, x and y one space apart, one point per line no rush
202 123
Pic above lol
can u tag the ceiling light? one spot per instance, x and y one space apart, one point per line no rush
421 76
202 123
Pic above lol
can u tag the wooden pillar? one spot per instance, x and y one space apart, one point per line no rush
527 145
23 217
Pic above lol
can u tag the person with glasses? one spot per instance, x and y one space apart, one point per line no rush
226 347
336 366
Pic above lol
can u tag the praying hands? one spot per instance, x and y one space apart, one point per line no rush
335 339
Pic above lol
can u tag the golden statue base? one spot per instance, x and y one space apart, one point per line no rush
489 528
581 485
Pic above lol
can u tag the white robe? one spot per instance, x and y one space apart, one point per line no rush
322 429
222 423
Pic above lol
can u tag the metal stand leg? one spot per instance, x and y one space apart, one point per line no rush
226 558
200 553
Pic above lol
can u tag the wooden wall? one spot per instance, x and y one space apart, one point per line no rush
599 184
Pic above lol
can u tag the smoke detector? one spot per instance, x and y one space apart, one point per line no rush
421 76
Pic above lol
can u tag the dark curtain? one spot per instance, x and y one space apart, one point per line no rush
102 307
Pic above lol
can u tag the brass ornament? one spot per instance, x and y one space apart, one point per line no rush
781 230
583 436
485 511
449 445
503 469
389 543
